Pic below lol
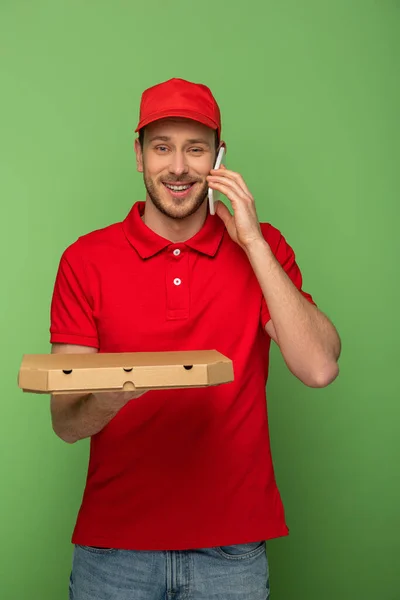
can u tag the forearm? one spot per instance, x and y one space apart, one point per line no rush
78 417
308 341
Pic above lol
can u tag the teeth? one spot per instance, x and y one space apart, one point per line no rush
177 188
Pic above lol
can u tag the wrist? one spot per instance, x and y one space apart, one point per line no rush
256 247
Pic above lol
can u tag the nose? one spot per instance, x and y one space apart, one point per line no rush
178 165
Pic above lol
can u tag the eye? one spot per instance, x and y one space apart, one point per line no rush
162 149
196 150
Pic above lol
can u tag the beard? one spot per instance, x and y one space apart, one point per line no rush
173 207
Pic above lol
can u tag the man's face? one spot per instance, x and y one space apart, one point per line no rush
176 158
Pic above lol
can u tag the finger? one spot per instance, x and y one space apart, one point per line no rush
230 184
226 173
223 212
231 194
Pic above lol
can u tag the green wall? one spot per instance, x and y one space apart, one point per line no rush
310 97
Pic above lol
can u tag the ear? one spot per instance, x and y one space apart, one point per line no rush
139 156
222 143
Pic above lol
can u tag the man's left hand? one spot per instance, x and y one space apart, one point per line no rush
243 226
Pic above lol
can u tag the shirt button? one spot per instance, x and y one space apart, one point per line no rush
177 252
177 281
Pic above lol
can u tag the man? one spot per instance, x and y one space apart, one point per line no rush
180 494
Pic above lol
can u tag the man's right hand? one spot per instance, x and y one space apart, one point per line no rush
77 416
118 398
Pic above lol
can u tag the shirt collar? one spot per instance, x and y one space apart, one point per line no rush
148 243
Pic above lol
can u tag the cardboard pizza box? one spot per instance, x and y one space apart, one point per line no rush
74 373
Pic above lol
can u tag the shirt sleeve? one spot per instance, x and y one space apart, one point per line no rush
286 257
71 314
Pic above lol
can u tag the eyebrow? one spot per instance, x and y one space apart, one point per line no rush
198 141
166 138
163 138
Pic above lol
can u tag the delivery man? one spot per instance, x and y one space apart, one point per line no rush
180 494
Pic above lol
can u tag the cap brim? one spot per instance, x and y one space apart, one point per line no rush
184 114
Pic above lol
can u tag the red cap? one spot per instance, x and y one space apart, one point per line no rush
180 98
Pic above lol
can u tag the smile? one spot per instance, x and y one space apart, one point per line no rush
179 190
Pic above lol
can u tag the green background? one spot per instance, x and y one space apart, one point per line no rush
310 98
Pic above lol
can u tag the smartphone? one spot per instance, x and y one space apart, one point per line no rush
212 193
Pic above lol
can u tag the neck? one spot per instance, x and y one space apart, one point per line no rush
174 230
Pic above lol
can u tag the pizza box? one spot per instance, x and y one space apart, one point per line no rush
74 373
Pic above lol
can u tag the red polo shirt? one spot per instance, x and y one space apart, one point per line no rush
177 469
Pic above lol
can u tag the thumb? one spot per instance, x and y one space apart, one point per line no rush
222 211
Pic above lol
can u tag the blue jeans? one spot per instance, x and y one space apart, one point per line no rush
221 573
